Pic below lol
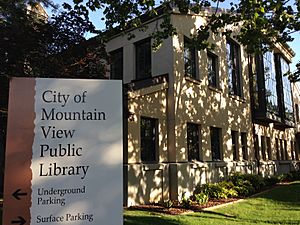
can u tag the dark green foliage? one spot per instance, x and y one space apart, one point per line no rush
255 180
244 188
289 177
264 22
228 189
237 185
32 45
272 180
215 191
201 198
185 201
168 204
219 190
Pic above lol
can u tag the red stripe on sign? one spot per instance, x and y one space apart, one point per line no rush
20 136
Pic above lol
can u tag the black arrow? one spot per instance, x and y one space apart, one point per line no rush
21 221
17 194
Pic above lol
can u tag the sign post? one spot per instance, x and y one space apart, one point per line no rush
64 152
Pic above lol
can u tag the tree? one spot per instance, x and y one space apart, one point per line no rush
33 46
262 22
30 45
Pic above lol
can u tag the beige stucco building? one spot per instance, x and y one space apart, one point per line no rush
193 117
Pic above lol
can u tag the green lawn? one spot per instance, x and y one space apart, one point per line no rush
277 206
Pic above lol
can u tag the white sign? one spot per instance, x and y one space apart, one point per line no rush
76 163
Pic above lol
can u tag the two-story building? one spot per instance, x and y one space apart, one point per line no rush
193 117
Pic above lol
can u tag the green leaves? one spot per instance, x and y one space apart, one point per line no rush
259 21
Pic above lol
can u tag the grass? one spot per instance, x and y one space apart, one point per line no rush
277 206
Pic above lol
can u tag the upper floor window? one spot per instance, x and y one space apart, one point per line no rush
234 68
193 141
270 83
189 58
116 65
212 67
283 69
143 59
149 139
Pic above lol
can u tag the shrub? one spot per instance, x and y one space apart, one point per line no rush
201 198
198 190
244 188
294 175
168 203
185 201
215 191
270 181
228 189
256 181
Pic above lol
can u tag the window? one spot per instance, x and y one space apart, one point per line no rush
256 147
193 141
149 139
263 147
269 150
234 68
189 58
235 147
286 155
215 137
293 145
297 149
143 59
277 149
281 150
212 67
244 145
287 107
116 65
270 83
297 112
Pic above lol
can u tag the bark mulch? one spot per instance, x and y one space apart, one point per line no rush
177 209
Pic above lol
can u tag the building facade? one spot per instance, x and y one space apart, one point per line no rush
193 117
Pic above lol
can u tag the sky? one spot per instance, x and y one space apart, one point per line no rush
99 24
